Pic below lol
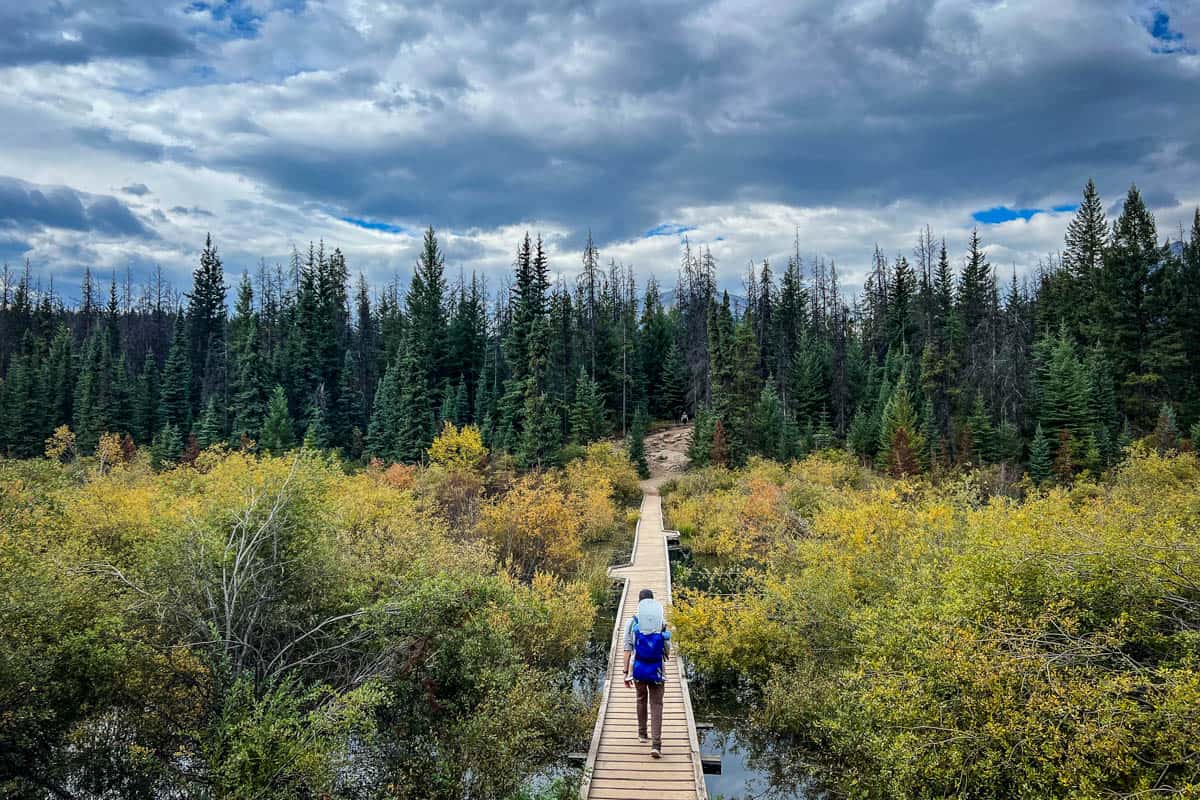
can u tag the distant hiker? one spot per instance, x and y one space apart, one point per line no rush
646 641
683 419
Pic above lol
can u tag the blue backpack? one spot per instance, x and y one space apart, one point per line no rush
647 655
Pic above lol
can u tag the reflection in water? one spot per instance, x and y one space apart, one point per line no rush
755 764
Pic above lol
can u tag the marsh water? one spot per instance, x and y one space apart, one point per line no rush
755 765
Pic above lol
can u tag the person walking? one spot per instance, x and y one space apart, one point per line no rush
647 645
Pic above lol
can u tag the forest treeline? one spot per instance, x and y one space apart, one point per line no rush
929 367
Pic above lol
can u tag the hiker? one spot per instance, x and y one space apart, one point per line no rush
647 643
683 420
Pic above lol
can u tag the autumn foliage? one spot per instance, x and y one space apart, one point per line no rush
245 627
924 641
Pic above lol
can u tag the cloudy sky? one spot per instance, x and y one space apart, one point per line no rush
133 127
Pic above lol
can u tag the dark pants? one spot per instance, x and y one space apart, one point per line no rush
653 692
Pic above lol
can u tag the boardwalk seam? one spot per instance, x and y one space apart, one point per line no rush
594 748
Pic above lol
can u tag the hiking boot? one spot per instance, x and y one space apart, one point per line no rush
643 738
656 750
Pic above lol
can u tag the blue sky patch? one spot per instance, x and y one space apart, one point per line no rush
994 216
668 229
243 21
373 225
1171 41
1066 207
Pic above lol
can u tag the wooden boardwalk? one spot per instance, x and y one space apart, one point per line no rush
619 767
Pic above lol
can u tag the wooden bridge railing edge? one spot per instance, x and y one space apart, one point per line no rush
693 736
594 748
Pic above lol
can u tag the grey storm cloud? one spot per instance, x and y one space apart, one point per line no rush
25 206
615 114
67 32
194 211
710 102
136 189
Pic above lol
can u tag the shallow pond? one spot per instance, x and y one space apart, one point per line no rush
755 765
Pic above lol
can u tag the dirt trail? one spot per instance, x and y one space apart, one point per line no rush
666 451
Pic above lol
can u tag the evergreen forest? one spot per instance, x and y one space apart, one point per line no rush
941 361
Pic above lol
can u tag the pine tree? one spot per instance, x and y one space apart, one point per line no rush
58 378
316 435
146 401
1064 461
983 443
247 396
174 402
899 441
206 329
823 437
719 452
1039 457
768 420
1083 259
1122 305
1166 430
208 429
588 422
166 447
636 442
672 398
93 394
277 433
462 403
381 431
347 417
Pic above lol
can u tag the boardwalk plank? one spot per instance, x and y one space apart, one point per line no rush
619 766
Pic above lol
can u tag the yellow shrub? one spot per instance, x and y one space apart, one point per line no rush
534 526
458 448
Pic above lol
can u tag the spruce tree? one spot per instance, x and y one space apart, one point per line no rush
346 421
277 433
983 443
588 422
58 379
208 429
768 421
316 435
719 452
1124 310
700 448
823 436
206 329
899 440
381 431
175 392
146 401
672 398
862 437
1166 430
1039 457
462 403
636 442
1083 259
166 448
247 397
93 394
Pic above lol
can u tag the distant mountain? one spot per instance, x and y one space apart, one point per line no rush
736 301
